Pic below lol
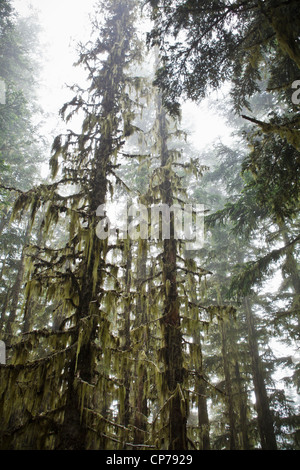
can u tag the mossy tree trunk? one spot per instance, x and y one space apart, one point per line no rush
89 315
16 289
173 376
141 408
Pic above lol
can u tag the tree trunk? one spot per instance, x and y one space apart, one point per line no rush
16 289
228 389
126 366
203 420
141 409
5 219
264 416
200 385
242 409
73 434
171 327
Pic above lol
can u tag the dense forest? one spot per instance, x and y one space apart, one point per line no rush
149 289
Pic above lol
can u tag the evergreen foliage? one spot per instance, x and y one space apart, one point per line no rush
125 342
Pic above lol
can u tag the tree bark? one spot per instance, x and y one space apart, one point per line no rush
264 416
141 409
242 409
127 375
171 325
16 289
200 385
229 389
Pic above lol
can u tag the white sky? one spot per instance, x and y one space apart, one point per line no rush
64 24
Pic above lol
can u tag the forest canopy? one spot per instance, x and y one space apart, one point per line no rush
150 289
